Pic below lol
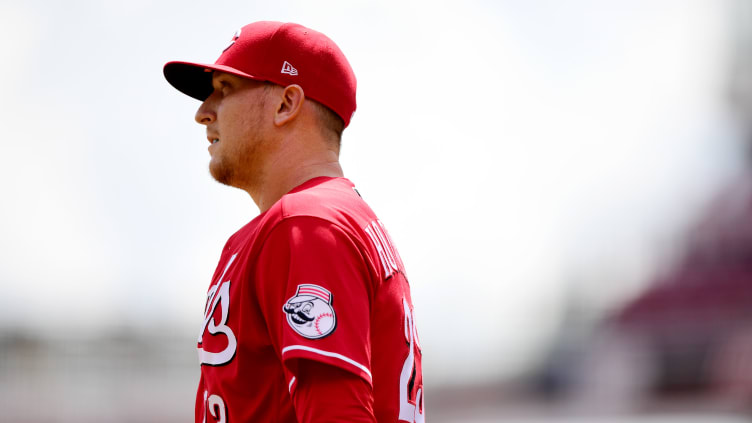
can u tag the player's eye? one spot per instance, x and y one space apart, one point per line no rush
222 86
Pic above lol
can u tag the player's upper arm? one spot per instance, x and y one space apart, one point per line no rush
314 290
329 394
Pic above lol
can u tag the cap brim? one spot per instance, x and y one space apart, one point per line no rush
195 79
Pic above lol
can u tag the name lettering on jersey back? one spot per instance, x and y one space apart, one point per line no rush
218 296
390 259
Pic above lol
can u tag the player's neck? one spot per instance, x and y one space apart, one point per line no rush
291 169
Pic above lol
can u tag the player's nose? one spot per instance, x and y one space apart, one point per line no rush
205 113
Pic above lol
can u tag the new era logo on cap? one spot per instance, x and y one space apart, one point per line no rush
289 69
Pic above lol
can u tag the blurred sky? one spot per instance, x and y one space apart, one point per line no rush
521 153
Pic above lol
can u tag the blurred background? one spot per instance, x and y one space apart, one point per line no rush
569 184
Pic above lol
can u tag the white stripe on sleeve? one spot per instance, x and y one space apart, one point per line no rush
347 360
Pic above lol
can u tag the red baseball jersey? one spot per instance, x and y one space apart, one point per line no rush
315 277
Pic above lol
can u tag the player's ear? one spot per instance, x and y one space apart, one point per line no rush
290 104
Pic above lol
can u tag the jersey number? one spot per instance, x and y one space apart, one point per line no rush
411 381
219 295
216 407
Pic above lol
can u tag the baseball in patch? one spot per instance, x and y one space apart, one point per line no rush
310 312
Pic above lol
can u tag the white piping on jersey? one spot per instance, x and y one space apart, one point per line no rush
289 387
328 354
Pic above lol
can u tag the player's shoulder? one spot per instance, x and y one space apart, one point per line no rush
332 204
319 206
330 199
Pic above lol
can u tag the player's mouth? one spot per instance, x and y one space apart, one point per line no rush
212 141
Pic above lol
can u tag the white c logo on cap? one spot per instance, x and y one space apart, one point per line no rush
234 37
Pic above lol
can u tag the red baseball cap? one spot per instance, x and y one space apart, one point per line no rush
278 52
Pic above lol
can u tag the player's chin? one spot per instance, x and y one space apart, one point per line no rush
220 172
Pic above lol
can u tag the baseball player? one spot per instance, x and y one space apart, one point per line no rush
308 316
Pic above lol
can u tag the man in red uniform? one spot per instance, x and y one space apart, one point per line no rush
308 316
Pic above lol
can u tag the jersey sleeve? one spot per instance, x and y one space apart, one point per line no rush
329 394
314 290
